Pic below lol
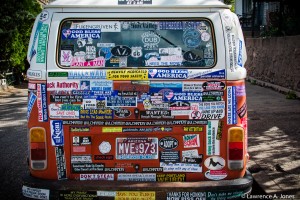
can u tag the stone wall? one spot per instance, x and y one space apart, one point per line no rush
275 60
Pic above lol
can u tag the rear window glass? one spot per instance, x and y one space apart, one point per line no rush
96 44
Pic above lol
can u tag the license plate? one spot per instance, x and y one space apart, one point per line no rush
136 148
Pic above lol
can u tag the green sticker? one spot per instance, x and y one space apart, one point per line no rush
42 44
57 74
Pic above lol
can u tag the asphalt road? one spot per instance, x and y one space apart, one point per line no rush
274 134
272 118
13 144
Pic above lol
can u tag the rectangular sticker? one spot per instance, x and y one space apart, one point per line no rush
188 195
84 74
81 159
35 193
57 111
134 2
31 101
191 140
87 167
72 195
42 44
171 177
102 26
207 74
44 103
136 177
57 133
60 163
127 74
119 101
212 144
231 105
180 167
39 102
132 195
67 85
208 110
96 177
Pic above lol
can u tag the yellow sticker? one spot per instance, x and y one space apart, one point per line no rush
193 129
127 74
130 195
111 129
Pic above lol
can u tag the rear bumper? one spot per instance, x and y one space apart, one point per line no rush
74 189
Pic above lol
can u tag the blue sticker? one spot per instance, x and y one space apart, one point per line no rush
44 102
37 31
31 102
207 74
117 101
57 133
191 38
81 33
105 52
95 74
101 85
187 96
96 114
168 73
231 105
240 57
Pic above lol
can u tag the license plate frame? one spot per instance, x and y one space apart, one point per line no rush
145 148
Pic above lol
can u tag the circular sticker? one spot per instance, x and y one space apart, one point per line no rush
104 147
191 38
214 163
44 15
205 36
168 143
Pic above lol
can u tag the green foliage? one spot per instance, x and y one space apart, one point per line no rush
232 3
291 95
16 20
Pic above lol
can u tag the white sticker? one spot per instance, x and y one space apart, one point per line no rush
67 85
81 159
89 104
104 26
205 36
104 147
212 144
35 193
170 51
96 177
34 74
180 167
137 177
44 15
106 193
192 87
216 174
66 57
208 110
55 111
214 163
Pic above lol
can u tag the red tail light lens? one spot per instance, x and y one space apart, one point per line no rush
235 150
38 151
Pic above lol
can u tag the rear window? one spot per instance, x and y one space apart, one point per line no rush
97 44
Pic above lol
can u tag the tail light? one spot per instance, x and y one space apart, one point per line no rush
236 148
38 153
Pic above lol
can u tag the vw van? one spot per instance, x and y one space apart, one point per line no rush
137 100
